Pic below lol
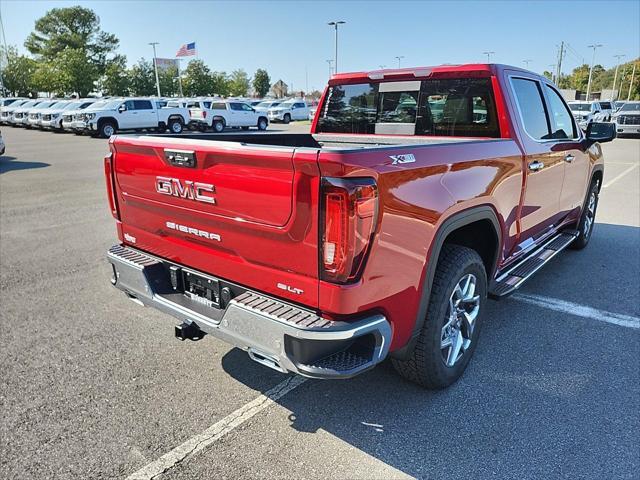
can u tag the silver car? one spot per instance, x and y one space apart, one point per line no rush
627 119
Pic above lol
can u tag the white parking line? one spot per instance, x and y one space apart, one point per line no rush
216 431
578 310
618 177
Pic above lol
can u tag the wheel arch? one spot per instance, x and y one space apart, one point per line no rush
108 119
597 174
467 228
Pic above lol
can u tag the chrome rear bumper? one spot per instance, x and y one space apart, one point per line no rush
277 334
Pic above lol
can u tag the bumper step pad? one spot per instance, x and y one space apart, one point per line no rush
509 281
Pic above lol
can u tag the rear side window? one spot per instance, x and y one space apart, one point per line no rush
142 105
531 106
435 107
218 106
562 124
605 105
349 109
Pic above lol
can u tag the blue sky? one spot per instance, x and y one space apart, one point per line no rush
290 38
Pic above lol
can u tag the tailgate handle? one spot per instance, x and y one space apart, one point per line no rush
181 158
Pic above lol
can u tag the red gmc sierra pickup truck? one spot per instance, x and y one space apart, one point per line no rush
418 194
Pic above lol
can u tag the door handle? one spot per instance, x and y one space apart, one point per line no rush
535 166
568 158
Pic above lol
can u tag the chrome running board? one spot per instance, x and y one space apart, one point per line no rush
515 275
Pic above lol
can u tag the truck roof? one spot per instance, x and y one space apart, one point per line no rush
472 69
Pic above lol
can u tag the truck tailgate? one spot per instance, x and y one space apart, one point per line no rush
243 213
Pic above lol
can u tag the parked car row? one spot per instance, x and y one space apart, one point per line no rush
107 116
586 113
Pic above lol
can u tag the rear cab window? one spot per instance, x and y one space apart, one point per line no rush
462 107
531 107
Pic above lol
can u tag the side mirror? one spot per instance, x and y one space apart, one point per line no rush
601 132
596 111
122 108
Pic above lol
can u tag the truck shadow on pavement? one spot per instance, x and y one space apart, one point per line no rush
534 402
8 164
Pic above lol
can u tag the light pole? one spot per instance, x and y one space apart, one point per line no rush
615 76
633 74
526 63
155 66
335 24
593 59
399 57
488 54
329 61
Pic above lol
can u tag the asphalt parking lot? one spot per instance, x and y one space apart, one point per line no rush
94 386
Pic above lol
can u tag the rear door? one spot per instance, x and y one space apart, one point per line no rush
245 213
147 115
544 170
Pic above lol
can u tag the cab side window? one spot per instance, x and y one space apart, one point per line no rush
236 106
130 105
562 126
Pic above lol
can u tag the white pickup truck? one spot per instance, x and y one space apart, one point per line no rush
105 119
228 113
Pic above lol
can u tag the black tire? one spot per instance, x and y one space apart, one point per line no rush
426 365
286 118
107 128
263 123
218 126
175 126
587 217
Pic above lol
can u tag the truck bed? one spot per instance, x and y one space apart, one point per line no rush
342 142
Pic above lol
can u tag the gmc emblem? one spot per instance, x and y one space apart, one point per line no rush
186 189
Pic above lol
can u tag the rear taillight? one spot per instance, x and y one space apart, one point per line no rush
111 191
204 114
349 213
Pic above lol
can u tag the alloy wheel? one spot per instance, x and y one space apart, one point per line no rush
590 214
457 332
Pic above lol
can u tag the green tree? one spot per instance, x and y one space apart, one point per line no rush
196 80
48 77
78 74
580 77
238 83
77 28
548 74
142 80
220 84
116 81
168 81
261 82
17 74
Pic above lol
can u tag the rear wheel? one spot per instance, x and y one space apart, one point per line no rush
175 126
286 118
450 331
587 218
218 126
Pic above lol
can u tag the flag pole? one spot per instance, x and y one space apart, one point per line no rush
179 78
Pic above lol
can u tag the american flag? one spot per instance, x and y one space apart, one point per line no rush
187 50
